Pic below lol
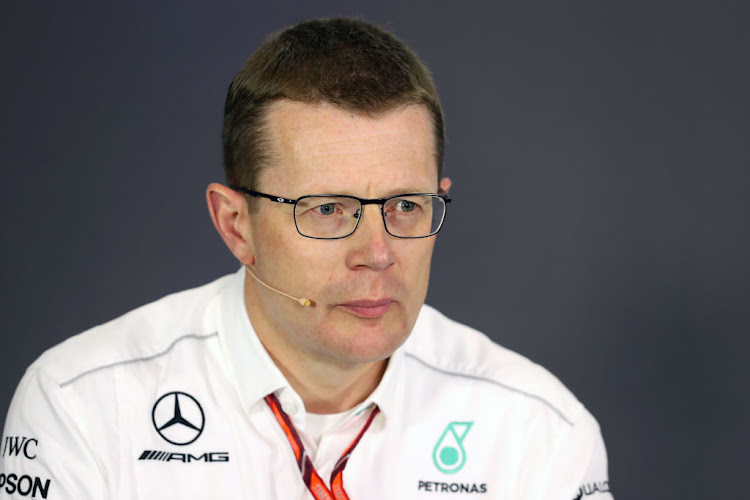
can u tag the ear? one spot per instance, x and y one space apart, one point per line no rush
445 184
228 210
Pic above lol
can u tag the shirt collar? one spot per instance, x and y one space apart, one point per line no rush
390 390
255 372
257 375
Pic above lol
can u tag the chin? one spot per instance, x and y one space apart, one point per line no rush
367 341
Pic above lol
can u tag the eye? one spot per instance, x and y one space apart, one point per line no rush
405 206
326 208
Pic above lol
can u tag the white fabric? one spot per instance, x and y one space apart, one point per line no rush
460 416
316 426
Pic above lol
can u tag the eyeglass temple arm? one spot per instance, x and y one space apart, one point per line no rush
256 194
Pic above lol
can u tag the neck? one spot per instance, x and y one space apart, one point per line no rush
331 389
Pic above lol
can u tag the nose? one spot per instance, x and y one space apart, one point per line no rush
370 243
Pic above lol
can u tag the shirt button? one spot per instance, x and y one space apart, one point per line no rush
289 408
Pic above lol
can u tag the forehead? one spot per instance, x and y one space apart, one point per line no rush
323 148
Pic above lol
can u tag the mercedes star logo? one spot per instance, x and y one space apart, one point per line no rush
178 418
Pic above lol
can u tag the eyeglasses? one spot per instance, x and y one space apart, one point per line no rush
333 216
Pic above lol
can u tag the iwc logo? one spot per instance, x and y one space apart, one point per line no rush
178 418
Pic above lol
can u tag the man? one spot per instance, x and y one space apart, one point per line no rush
316 370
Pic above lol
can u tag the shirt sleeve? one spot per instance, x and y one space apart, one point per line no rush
44 452
595 482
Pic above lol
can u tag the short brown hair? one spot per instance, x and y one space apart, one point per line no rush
345 62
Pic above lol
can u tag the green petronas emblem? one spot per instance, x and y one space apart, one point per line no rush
449 454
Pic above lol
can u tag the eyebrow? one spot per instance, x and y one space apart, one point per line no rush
410 190
393 192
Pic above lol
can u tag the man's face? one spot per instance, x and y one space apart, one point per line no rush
366 289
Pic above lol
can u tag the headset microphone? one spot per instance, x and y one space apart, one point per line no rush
300 300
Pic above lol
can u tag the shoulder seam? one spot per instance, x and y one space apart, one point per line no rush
494 382
136 360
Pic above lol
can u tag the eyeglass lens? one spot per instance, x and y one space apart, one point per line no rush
413 216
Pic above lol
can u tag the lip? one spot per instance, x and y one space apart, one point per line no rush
368 309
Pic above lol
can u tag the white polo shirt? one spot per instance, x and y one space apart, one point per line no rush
167 402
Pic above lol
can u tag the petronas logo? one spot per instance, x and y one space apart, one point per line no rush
449 454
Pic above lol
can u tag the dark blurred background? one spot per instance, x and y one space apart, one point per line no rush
599 153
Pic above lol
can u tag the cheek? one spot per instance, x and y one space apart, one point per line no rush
272 249
277 241
415 262
313 265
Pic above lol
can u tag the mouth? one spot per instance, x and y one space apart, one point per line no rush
368 309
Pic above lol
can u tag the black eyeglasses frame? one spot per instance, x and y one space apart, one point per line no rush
362 201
